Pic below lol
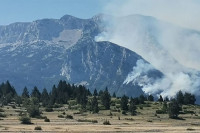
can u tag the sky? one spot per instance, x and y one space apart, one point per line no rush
181 12
30 10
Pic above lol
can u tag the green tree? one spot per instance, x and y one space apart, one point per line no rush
94 104
160 99
114 95
124 103
189 98
95 92
25 93
174 109
164 107
142 99
150 98
180 97
132 107
105 99
36 93
45 97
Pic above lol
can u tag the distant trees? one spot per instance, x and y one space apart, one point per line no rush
106 99
25 93
45 97
174 109
81 97
36 93
132 107
7 93
186 98
160 99
124 103
94 105
150 98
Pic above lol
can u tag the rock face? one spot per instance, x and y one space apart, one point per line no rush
45 51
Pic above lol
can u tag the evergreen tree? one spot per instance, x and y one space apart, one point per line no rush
94 104
53 95
165 108
45 97
36 93
189 98
166 99
150 98
95 93
160 99
180 97
132 107
100 93
25 93
83 101
124 103
142 99
114 95
174 109
105 99
136 101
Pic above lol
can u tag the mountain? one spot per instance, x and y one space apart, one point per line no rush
42 52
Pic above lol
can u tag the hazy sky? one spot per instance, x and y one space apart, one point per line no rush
181 12
29 10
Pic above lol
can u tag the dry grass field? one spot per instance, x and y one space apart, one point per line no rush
145 121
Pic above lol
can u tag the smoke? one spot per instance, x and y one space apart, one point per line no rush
173 50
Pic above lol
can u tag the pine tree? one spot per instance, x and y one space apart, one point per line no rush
165 108
94 104
142 99
114 95
150 98
160 99
53 95
124 103
166 99
132 107
36 93
174 109
45 97
105 99
95 93
189 98
180 97
25 93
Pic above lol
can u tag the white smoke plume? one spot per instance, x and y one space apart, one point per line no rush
173 50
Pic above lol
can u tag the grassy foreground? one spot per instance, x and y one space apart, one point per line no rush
146 120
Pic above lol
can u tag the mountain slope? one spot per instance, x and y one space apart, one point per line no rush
45 51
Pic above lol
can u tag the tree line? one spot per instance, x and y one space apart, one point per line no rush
64 92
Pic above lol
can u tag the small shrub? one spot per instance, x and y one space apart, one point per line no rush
69 117
190 129
160 112
25 120
60 116
38 128
46 120
13 106
48 109
2 115
106 122
64 113
149 121
86 120
1 110
130 119
141 107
